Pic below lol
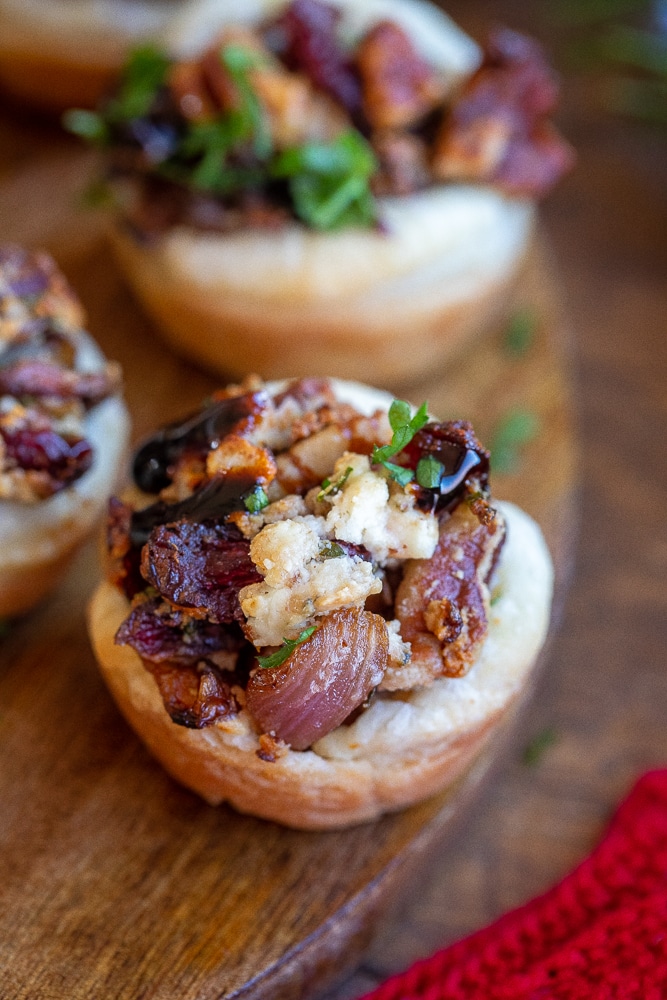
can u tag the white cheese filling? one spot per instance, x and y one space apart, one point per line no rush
306 574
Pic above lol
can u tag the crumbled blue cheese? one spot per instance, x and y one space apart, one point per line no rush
366 512
400 652
300 581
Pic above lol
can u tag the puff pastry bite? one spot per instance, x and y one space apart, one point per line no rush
314 609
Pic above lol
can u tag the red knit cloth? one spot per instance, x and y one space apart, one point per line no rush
601 934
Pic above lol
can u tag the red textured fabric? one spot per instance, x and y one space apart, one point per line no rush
600 934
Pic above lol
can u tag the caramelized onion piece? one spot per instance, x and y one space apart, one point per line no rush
195 696
323 680
442 603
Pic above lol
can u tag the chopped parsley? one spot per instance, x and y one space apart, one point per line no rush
514 431
256 500
520 332
429 472
537 747
144 74
239 61
88 125
329 489
331 550
405 426
285 651
329 181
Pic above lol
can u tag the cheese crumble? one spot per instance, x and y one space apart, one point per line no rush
306 574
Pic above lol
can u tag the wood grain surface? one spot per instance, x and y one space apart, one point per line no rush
116 883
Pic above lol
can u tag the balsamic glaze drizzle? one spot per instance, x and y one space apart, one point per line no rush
197 432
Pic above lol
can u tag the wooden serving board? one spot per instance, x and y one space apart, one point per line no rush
115 881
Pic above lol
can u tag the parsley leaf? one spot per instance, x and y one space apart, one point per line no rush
520 332
517 429
404 426
239 61
208 145
429 472
331 550
256 500
89 125
144 74
537 747
330 489
285 651
329 182
399 473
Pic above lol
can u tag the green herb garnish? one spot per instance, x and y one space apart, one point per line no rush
207 146
285 651
624 42
329 182
256 500
331 550
98 194
512 433
520 332
238 62
144 74
536 748
89 125
429 472
329 489
404 426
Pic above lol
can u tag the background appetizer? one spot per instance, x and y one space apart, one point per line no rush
63 427
314 609
68 52
333 186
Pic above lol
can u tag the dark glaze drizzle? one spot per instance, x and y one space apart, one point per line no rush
461 455
214 500
196 433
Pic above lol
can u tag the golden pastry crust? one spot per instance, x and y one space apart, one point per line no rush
298 327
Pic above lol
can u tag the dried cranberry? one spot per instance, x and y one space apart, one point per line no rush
308 28
156 632
45 451
200 567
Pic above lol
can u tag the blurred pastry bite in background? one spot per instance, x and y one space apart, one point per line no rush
346 186
63 428
62 52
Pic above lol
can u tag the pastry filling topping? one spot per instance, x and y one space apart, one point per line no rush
44 393
365 567
292 120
